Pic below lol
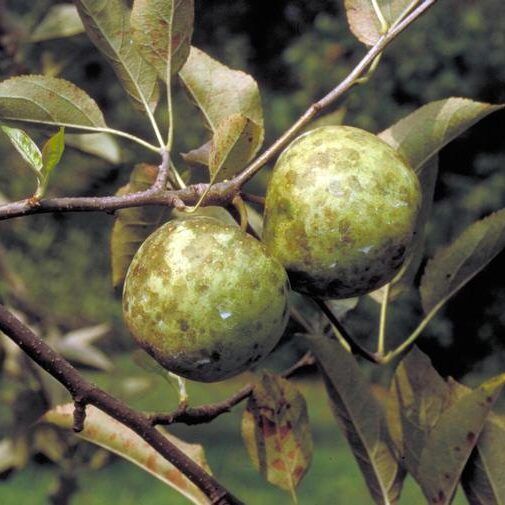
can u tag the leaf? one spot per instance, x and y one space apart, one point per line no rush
26 147
483 478
231 104
101 145
420 135
364 22
361 418
133 226
404 279
14 453
455 265
418 397
51 156
452 440
276 432
38 99
77 346
107 24
199 156
218 91
61 20
103 430
162 30
235 142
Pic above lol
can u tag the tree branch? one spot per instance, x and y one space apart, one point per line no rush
224 192
207 413
84 393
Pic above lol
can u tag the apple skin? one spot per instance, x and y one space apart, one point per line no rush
205 299
340 212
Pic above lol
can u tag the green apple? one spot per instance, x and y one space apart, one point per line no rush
340 212
205 299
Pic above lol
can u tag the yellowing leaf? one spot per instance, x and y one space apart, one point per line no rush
235 142
361 419
364 21
107 24
455 265
61 20
420 135
162 30
218 91
103 430
276 432
231 104
133 226
453 439
38 99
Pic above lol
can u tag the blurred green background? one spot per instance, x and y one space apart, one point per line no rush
297 50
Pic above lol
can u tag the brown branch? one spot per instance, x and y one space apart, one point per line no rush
207 413
86 393
224 192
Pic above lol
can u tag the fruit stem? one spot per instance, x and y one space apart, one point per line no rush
383 320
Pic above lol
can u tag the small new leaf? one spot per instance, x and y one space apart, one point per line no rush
361 418
276 432
455 265
162 30
51 156
103 430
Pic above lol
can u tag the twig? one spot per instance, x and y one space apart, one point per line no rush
224 192
207 413
249 197
88 394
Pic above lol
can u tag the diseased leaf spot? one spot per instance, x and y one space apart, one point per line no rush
470 437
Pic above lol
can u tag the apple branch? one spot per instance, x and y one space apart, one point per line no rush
222 193
85 393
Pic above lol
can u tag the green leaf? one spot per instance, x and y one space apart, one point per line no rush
38 99
404 279
418 397
364 22
162 30
101 145
218 91
133 226
103 430
453 439
483 478
107 24
26 147
361 418
235 142
276 432
51 156
61 20
454 266
423 133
